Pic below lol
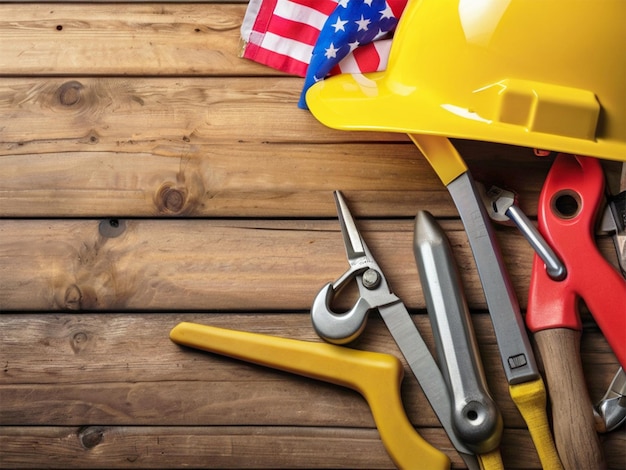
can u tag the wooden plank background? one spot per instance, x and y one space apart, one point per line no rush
150 176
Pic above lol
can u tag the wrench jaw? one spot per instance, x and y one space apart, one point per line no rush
497 201
610 412
502 208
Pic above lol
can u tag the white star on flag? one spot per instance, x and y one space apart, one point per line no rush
363 23
331 52
339 24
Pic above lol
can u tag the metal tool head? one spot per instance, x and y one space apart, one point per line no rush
475 416
374 292
610 412
354 244
497 202
502 207
614 221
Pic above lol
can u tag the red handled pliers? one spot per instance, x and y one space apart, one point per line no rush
569 207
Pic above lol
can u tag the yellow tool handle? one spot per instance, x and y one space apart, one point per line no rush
442 156
491 460
531 400
376 376
575 433
530 397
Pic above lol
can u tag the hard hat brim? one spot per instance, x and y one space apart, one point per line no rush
371 102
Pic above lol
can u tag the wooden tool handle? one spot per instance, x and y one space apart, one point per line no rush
574 426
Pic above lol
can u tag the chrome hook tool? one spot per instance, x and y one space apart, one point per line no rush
471 419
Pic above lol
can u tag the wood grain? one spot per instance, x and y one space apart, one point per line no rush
195 264
139 39
575 435
226 447
137 377
201 265
191 152
120 363
118 375
151 176
169 113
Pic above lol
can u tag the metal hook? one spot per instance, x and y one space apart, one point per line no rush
338 328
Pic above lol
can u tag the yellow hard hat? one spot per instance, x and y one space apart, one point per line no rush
542 74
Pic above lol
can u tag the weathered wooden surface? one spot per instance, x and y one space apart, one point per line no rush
192 151
66 371
149 176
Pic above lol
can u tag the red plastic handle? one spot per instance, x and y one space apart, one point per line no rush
568 207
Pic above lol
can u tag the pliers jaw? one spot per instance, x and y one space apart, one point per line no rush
374 292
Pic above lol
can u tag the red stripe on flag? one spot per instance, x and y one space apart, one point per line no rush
276 61
366 57
324 6
397 7
265 15
273 19
293 30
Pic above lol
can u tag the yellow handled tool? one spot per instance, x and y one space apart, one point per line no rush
525 383
376 376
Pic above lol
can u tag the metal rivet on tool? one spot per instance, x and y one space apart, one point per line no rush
371 279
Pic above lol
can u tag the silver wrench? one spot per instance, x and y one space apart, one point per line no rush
502 207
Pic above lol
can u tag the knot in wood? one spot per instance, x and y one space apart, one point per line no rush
93 138
73 297
79 341
171 199
70 93
112 228
90 436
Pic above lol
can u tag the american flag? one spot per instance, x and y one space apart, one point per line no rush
288 35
